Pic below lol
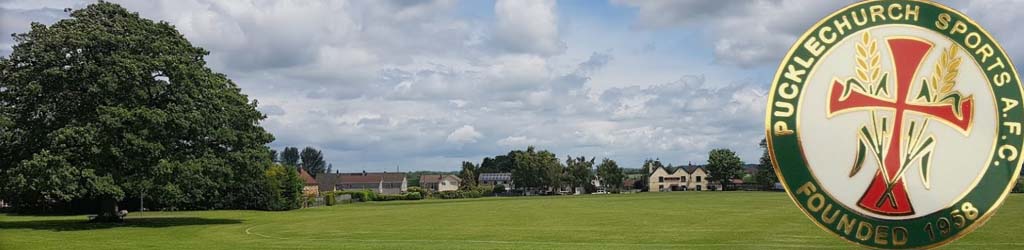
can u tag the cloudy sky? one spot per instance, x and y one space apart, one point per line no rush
425 85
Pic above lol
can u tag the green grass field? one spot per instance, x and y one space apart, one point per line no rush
686 220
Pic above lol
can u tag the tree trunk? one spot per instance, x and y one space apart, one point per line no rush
108 211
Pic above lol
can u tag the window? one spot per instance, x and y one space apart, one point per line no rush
698 180
684 178
661 179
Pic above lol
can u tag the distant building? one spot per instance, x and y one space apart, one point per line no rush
495 179
677 179
310 187
439 183
598 183
381 183
327 181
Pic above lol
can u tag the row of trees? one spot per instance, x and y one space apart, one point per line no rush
723 165
541 170
310 159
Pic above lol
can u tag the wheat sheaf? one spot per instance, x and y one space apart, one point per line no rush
868 60
946 70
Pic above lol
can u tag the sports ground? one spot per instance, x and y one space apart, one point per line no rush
679 220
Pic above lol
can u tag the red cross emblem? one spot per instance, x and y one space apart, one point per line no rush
900 145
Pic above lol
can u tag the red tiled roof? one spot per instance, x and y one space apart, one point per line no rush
393 177
348 179
430 178
307 178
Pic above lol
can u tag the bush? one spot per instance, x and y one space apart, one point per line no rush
459 194
499 189
1019 188
483 190
361 195
283 189
398 197
589 188
329 199
367 195
423 192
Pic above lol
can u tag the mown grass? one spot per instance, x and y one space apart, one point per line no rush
682 220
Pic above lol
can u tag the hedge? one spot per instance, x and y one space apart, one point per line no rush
459 194
395 197
362 195
329 199
368 195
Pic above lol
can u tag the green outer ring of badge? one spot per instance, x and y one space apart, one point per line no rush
791 166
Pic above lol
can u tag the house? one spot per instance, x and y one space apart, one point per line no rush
438 183
381 183
495 179
698 177
677 179
630 185
327 181
310 186
597 182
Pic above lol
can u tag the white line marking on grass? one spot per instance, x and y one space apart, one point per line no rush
249 231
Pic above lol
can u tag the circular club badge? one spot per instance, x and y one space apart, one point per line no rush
896 124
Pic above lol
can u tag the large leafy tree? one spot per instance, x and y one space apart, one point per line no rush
723 165
107 105
313 161
534 169
578 171
498 164
610 173
273 156
290 156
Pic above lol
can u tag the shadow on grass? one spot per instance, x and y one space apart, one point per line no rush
84 224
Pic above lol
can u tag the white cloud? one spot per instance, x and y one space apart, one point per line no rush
520 141
752 33
463 135
745 33
528 26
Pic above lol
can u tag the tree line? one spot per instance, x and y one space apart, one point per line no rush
541 170
535 170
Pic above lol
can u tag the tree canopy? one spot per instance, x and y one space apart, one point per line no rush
578 171
765 172
313 161
534 169
468 174
290 156
723 164
106 105
610 173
